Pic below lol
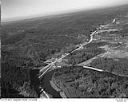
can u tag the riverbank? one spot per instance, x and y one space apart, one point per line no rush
46 85
62 94
52 84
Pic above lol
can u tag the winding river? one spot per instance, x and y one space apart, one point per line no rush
45 81
45 84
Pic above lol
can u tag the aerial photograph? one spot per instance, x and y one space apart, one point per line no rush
64 49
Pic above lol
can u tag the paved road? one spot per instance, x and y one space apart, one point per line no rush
45 95
43 70
100 70
52 63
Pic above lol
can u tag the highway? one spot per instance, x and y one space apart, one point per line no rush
43 70
52 63
100 70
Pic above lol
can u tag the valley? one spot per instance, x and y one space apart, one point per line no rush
82 54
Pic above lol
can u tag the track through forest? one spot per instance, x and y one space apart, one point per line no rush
52 64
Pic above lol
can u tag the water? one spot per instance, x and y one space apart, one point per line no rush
45 84
34 80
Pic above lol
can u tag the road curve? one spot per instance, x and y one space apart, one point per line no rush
51 65
65 55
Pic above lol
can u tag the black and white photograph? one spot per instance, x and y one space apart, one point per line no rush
64 49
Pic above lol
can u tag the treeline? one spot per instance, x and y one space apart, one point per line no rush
123 32
119 66
83 55
96 44
16 68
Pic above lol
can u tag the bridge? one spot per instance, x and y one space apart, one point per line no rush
52 63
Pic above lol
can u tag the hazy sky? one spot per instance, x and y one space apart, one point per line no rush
24 8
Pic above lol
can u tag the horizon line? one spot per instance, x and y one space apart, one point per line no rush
55 14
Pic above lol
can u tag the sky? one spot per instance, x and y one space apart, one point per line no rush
14 9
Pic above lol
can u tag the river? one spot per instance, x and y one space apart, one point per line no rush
45 84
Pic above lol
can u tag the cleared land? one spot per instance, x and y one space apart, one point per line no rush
28 44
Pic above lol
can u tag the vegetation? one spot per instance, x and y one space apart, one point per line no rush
27 44
119 66
15 70
83 55
78 82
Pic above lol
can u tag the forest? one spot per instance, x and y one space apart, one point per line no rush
119 66
84 55
27 44
77 82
